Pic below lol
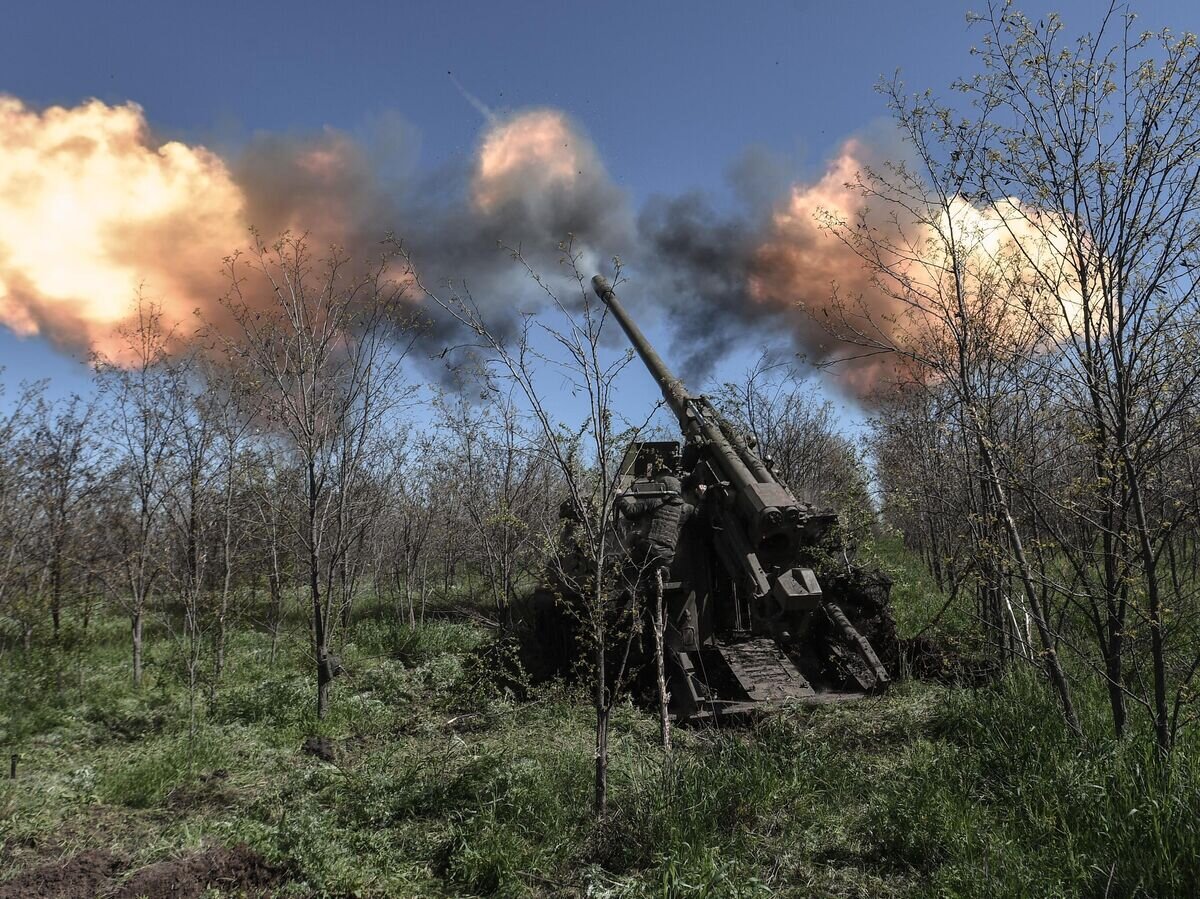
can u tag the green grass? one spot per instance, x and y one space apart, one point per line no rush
447 782
916 600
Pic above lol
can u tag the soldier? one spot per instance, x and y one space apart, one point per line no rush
664 516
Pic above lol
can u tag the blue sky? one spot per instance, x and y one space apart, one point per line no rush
671 93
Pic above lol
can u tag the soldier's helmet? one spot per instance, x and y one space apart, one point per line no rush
670 483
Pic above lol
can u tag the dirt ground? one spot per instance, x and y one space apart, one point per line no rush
98 874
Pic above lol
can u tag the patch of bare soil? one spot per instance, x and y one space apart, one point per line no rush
85 875
228 870
97 873
321 747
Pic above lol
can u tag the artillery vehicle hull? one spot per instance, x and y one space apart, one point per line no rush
728 655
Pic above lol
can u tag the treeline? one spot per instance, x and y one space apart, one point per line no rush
226 479
286 467
1040 450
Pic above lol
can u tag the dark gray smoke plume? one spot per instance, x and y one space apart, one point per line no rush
163 215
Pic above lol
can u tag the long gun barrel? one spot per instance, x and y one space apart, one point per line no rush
696 416
673 390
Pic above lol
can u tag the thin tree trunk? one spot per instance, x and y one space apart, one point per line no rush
275 586
1113 673
346 593
56 596
1053 665
408 597
320 635
226 586
1162 722
601 785
660 627
424 578
136 626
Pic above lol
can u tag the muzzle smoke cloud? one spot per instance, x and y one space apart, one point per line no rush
90 207
781 267
94 207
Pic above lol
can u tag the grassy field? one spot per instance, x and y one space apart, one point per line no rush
442 783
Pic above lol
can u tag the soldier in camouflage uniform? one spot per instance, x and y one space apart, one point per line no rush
662 517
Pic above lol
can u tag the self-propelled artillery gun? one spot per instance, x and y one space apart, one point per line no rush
748 621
